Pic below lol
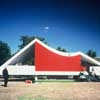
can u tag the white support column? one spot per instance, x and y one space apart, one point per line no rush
36 78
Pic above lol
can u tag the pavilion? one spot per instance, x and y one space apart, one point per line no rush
37 58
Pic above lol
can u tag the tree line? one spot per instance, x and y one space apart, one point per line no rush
5 50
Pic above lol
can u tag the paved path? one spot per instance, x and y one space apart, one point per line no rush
52 91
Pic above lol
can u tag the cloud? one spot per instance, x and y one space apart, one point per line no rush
46 28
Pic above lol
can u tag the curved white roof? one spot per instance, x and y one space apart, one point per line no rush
84 56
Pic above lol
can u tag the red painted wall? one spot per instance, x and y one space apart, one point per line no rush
46 60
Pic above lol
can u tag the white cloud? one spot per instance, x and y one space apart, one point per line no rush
46 28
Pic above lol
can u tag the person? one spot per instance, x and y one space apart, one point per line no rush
5 76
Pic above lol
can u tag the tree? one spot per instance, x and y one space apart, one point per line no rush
24 41
91 53
61 49
27 39
5 52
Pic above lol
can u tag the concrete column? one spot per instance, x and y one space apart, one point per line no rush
36 78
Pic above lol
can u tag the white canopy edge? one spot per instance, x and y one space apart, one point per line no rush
52 50
70 54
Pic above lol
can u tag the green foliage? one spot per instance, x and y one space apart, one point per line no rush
27 39
5 52
61 49
24 41
91 53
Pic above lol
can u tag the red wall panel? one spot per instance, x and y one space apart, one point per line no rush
46 60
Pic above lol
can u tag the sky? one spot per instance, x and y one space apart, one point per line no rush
71 24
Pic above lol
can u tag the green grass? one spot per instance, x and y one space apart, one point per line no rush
30 98
35 98
24 98
54 80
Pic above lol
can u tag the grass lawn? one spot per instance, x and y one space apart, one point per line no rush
55 80
30 98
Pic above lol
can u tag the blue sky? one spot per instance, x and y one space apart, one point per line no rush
71 24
